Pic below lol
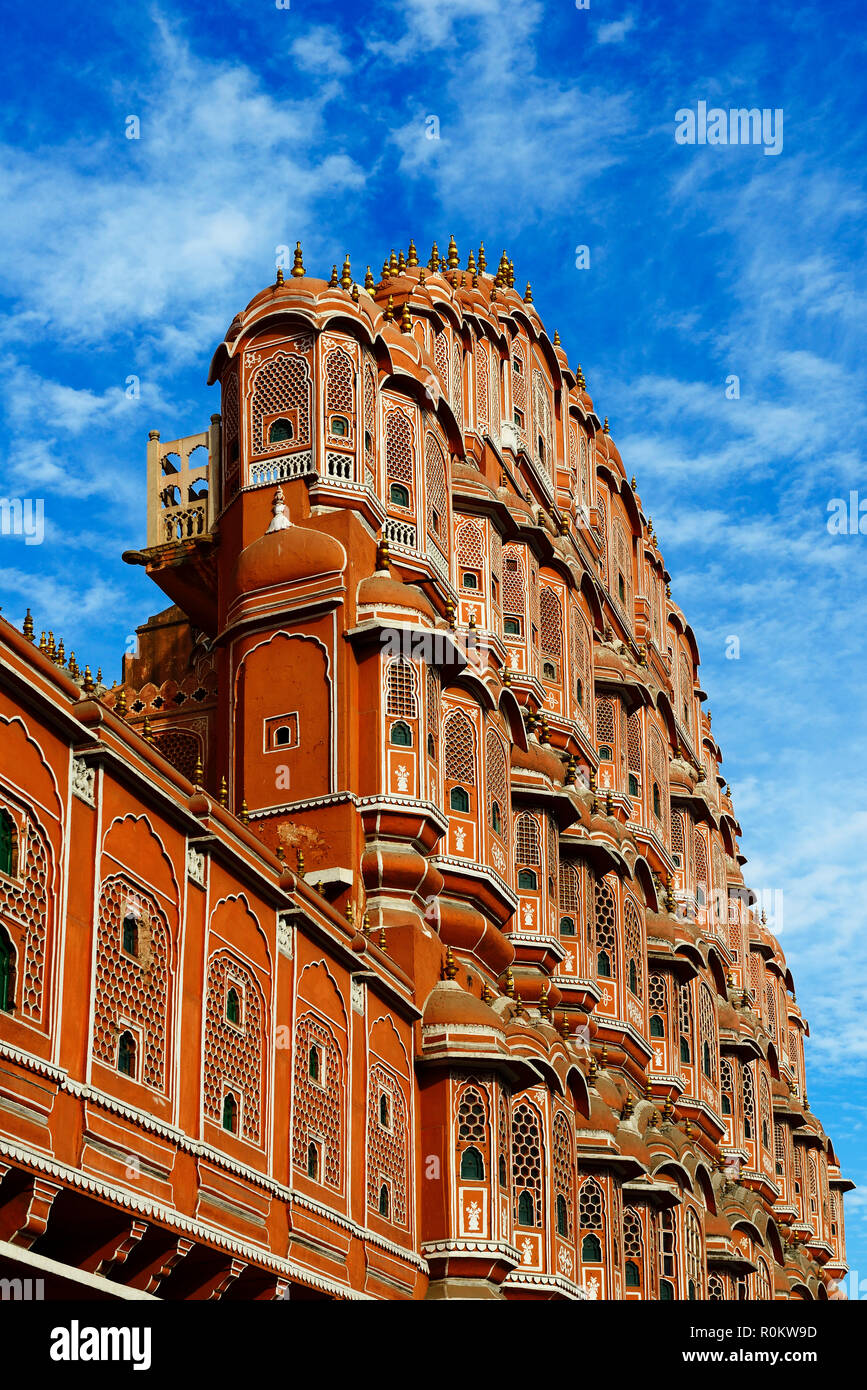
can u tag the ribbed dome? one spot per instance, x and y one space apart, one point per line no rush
381 591
285 556
455 1007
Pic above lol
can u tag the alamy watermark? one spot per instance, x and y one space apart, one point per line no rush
738 126
23 516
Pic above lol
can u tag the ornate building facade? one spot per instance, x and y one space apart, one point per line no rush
384 932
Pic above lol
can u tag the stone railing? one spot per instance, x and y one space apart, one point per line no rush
183 485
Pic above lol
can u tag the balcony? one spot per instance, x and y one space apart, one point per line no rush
182 486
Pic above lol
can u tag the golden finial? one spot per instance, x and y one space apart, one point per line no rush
368 280
346 277
299 856
392 264
279 280
519 1007
27 627
280 853
528 294
544 1008
580 378
383 945
571 772
88 687
592 1070
51 652
628 1107
355 294
405 318
224 792
605 429
510 278
389 310
365 924
444 265
384 275
412 256
494 292
60 657
119 699
332 283
421 274
471 263
199 771
609 802
298 264
510 983
245 814
471 622
556 338
350 913
401 263
487 995
454 259
433 263
450 969
98 674
482 259
146 731
383 557
565 1030
43 645
633 484
73 666
450 613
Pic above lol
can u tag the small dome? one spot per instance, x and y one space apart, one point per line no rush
381 591
451 1005
285 554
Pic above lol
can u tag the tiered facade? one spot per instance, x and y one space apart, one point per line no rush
384 932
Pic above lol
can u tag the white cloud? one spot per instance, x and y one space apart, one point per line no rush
616 30
320 50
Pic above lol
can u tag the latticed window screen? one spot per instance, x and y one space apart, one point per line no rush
793 1051
437 500
633 739
779 1150
369 425
749 1099
765 1111
763 1280
605 725
528 842
181 748
503 1132
702 877
771 1002
551 619
726 1078
136 987
482 409
519 380
470 546
659 997
527 1158
495 760
387 1147
694 1252
233 1055
684 1012
318 1108
542 412
496 555
570 888
677 837
707 1028
715 1289
457 385
563 1168
399 453
659 764
623 548
459 749
553 848
591 1208
231 427
582 684
606 923
756 980
282 383
573 457
441 358
602 533
402 689
685 711
472 1118
633 1244
339 383
632 943
514 583
433 708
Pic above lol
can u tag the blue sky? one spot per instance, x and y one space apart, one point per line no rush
260 125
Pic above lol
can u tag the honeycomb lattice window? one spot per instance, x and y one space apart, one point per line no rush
633 1244
779 1150
677 834
765 1113
528 841
441 358
369 426
573 457
606 924
570 889
623 552
694 1251
632 939
457 386
727 1080
470 547
519 380
503 1133
498 787
233 1054
282 383
715 1289
793 1051
707 1030
686 694
318 1107
591 1208
24 899
231 425
583 477
658 997
581 675
659 764
542 415
749 1099
514 583
605 724
339 383
181 748
482 370
387 1147
563 1168
602 533
702 877
437 498
551 623
401 689
496 555
684 1011
459 746
553 848
433 709
763 1280
399 451
771 1005
472 1119
527 1159
131 990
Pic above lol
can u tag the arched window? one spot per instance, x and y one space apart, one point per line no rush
633 1275
501 1170
314 1064
130 934
606 931
567 926
496 817
459 752
527 1165
549 670
527 878
705 1058
469 580
526 1210
657 802
7 844
694 1255
401 734
512 627
459 800
633 977
666 1291
399 497
562 1216
339 426
590 1219
126 1054
564 1179
312 1161
384 1201
280 430
7 973
401 697
657 1027
233 1006
632 784
384 1111
603 965
472 1165
230 1113
591 1250
684 1049
282 735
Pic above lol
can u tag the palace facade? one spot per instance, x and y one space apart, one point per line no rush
384 933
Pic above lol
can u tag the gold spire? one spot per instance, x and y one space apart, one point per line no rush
355 294
450 970
298 264
98 674
453 260
405 318
51 650
382 942
471 263
528 294
279 280
245 814
482 258
43 645
401 263
60 658
605 429
510 983
544 1008
384 275
421 274
224 792
392 264
146 731
299 855
581 382
556 338
199 773
389 309
444 265
412 256
88 686
368 279
73 666
510 278
27 627
120 698
332 283
433 263
346 277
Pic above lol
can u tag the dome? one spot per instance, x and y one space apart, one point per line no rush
286 554
451 1005
381 591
